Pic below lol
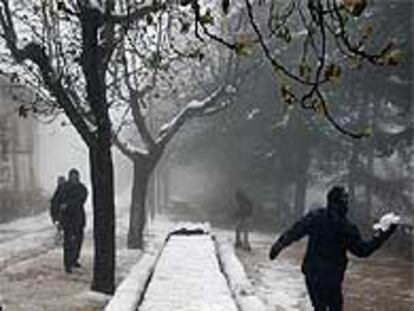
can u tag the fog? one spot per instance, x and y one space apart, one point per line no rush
59 148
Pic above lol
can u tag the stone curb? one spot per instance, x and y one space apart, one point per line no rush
132 289
239 284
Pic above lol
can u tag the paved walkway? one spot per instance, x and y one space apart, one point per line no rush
31 267
188 278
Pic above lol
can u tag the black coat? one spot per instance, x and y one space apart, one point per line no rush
245 206
330 238
74 196
55 212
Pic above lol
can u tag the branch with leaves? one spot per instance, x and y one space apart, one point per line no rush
322 22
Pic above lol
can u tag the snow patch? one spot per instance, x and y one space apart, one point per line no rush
240 285
132 289
196 104
94 4
188 278
95 297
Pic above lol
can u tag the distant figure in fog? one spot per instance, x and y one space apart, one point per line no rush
331 235
55 212
244 220
70 200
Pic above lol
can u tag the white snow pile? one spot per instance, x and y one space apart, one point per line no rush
386 221
188 278
240 285
25 238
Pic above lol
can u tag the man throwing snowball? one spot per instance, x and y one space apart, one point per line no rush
331 235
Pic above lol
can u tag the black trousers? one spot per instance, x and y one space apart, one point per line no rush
72 244
325 291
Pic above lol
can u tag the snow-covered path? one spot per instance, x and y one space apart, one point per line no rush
188 278
32 276
25 238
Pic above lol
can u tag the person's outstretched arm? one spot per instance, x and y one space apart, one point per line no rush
365 248
294 233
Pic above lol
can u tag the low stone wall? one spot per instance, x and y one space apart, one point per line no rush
132 289
191 271
239 284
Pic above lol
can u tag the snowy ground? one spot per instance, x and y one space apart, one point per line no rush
379 283
31 267
188 278
32 277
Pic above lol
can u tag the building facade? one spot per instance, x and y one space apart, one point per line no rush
18 135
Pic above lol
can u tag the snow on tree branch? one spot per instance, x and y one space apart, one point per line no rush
35 53
127 149
141 11
213 103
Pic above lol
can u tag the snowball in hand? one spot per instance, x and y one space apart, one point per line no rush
386 221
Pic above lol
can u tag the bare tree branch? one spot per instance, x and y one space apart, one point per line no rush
139 13
208 105
36 54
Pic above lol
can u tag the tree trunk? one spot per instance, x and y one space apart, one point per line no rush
369 191
137 215
104 218
353 165
369 186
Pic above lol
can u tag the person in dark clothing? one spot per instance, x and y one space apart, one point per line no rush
244 220
55 212
331 235
73 219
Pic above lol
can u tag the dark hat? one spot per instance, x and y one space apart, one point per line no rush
74 171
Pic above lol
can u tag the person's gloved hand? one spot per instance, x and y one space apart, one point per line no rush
392 228
390 231
384 235
274 251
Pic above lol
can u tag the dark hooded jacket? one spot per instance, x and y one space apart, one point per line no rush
245 205
74 196
330 237
55 212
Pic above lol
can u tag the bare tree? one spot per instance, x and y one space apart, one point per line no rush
63 50
171 53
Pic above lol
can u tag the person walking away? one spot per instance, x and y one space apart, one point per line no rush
71 203
55 212
331 235
244 220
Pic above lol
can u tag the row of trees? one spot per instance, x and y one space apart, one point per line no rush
106 63
281 152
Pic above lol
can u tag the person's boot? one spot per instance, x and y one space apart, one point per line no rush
238 244
68 270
